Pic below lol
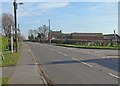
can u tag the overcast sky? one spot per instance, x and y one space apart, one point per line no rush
87 17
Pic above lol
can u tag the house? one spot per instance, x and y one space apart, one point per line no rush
112 37
87 36
66 36
56 34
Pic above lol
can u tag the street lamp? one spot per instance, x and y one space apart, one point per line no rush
15 19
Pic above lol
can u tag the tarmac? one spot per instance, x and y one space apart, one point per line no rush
26 71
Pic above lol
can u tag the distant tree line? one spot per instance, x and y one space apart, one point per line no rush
40 34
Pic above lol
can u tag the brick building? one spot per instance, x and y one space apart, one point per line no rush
87 36
66 36
56 34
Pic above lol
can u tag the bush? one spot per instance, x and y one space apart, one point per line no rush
58 41
63 41
69 42
4 43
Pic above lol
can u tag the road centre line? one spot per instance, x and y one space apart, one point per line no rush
102 56
114 75
82 62
75 59
87 64
62 53
92 66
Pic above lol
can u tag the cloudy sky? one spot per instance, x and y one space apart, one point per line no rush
101 17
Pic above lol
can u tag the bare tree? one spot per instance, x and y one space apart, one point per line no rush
7 22
32 35
43 30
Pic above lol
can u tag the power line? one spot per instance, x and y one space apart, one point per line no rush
27 11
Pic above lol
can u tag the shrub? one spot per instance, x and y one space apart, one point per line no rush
58 41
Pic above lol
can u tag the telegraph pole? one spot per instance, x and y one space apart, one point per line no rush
15 19
49 32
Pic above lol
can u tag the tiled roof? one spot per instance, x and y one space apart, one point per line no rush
86 34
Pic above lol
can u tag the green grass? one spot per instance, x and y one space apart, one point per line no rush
4 81
0 43
4 43
11 59
89 47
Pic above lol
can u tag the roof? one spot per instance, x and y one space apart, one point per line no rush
86 34
56 31
110 35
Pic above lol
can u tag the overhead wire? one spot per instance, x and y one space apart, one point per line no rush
26 10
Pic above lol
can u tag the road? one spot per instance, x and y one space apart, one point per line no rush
76 66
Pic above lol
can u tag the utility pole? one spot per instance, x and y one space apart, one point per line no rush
49 33
18 34
15 19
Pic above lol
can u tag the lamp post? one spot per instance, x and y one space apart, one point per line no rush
15 19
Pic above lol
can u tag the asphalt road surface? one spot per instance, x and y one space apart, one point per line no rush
76 66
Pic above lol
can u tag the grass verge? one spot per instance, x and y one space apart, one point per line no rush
4 81
11 59
88 47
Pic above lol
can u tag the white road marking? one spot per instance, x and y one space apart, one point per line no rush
62 53
103 57
75 59
43 79
29 50
106 57
32 55
114 75
87 64
88 52
82 62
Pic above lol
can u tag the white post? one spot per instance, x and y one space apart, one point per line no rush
115 38
11 39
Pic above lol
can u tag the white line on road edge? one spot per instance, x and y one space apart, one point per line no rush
42 78
44 81
62 53
103 57
32 55
114 75
29 50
